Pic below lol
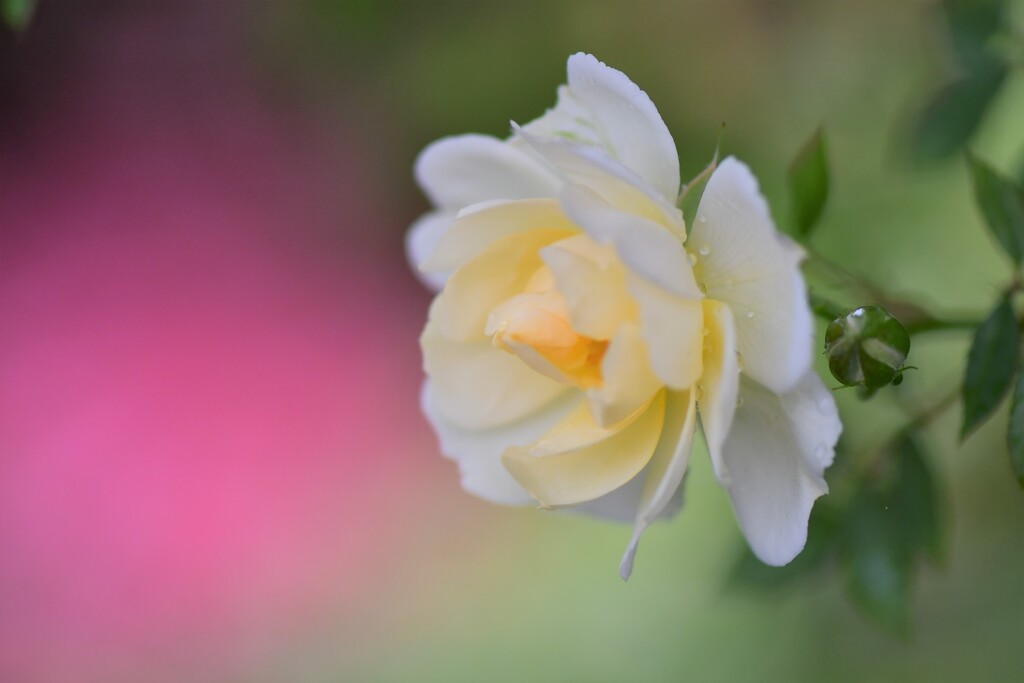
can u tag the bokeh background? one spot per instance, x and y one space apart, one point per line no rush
212 462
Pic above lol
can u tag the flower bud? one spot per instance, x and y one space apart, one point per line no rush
867 347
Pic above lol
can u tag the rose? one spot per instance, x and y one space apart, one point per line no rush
579 330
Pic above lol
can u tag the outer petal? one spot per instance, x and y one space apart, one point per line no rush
746 263
498 272
420 241
593 282
478 453
776 454
480 225
475 386
720 382
592 168
601 105
665 473
628 381
578 460
458 171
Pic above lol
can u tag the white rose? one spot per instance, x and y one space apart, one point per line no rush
579 330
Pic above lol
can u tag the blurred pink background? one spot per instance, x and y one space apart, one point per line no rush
208 363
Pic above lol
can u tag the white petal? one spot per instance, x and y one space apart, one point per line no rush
672 327
746 263
420 242
776 454
593 281
628 383
578 460
476 386
602 106
458 171
591 167
645 247
478 453
480 225
719 382
665 472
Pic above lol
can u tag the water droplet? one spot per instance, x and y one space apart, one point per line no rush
692 258
700 393
825 406
739 360
821 453
703 288
739 401
702 219
728 284
704 250
750 315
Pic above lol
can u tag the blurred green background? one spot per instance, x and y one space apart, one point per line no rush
481 593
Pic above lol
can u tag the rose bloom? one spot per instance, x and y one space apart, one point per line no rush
580 330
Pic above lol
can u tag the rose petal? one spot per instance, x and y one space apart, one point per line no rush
476 386
478 452
776 454
665 472
578 460
600 105
500 271
421 241
456 172
628 383
593 282
645 247
747 264
719 382
480 225
673 329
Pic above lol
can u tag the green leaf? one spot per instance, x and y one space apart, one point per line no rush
750 572
1002 204
991 365
972 23
877 563
1015 434
916 502
949 120
808 183
17 13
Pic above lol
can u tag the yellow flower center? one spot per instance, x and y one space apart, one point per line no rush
534 326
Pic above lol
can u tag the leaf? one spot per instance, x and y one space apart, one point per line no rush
877 563
1002 204
17 13
808 183
991 364
947 122
916 502
1015 434
972 23
750 572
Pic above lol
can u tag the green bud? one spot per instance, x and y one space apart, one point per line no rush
867 347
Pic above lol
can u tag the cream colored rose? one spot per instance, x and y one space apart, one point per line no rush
579 330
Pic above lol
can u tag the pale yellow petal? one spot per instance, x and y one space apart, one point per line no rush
628 381
500 271
578 460
593 282
480 225
665 472
476 386
719 382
